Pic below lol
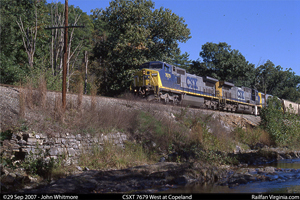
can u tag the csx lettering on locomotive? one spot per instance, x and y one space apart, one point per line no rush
191 82
240 94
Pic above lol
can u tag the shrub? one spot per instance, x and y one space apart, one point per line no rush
5 135
284 128
251 136
39 163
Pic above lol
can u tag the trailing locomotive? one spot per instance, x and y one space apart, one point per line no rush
170 84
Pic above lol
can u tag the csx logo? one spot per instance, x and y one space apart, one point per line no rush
240 94
168 75
191 82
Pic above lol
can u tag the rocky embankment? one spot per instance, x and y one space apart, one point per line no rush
160 177
146 178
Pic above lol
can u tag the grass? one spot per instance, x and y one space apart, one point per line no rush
110 156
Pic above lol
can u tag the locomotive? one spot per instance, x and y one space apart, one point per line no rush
163 82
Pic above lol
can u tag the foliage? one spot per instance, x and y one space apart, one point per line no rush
13 58
37 163
53 82
6 135
155 130
15 63
284 128
181 60
272 120
223 63
251 136
118 39
133 33
273 80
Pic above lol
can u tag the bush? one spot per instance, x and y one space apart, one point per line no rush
251 136
284 128
6 135
39 163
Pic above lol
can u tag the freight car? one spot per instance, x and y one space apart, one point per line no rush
290 107
164 82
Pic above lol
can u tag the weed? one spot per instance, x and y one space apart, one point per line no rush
39 163
58 109
93 98
42 92
110 156
22 103
79 96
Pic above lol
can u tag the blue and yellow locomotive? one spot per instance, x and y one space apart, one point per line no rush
164 82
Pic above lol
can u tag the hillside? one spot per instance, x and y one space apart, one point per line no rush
97 140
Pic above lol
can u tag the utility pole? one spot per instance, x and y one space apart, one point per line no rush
64 82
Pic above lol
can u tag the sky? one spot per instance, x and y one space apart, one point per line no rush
260 30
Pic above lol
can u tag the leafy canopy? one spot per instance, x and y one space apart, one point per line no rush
133 33
223 63
273 80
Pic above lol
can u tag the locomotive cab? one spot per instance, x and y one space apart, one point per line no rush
146 80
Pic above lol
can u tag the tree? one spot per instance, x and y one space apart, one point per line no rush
30 36
181 60
273 80
78 42
28 50
13 58
223 63
134 33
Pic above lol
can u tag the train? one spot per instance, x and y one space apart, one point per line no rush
163 82
290 107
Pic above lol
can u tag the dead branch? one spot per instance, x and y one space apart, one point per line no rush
30 38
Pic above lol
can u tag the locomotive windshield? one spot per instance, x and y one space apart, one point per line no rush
152 65
156 65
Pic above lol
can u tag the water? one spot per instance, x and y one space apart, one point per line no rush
286 164
277 186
